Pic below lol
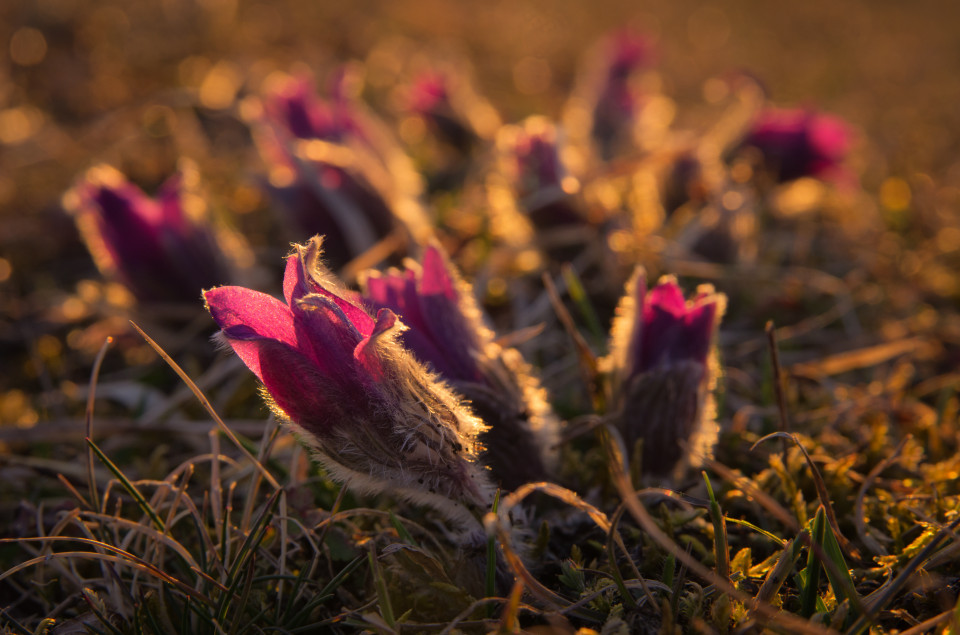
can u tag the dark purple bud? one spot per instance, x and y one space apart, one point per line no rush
446 331
662 370
429 98
537 176
618 101
155 247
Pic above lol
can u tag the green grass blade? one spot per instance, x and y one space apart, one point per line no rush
402 531
809 591
386 609
719 533
127 485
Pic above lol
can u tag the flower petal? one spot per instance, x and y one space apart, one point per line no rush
302 276
246 315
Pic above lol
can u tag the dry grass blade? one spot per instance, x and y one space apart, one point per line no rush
207 406
778 378
498 524
790 622
91 397
778 574
127 559
927 625
879 598
864 357
586 356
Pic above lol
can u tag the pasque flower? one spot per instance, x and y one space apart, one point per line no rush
333 169
376 418
447 332
663 372
800 142
430 99
618 101
532 164
157 247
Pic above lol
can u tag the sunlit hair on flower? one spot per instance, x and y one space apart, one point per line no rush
376 418
447 332
663 370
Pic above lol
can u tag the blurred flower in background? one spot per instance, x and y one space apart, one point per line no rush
619 100
663 371
447 332
377 419
334 169
164 249
533 182
794 143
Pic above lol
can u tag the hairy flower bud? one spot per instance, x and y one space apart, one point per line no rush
157 248
377 419
663 372
447 332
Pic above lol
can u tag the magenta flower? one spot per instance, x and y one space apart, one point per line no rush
154 247
662 372
797 143
618 101
377 419
446 332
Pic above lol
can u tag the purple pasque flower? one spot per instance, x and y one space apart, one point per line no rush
377 419
531 160
663 372
430 98
156 247
799 142
334 170
618 101
446 332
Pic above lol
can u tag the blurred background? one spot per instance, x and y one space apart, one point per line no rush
139 84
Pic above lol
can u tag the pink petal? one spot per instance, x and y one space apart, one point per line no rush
326 335
366 352
245 314
436 277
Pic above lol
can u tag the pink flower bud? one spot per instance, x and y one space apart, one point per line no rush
797 143
377 419
663 372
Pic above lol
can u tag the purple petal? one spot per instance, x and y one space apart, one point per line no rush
299 281
326 335
293 381
366 352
